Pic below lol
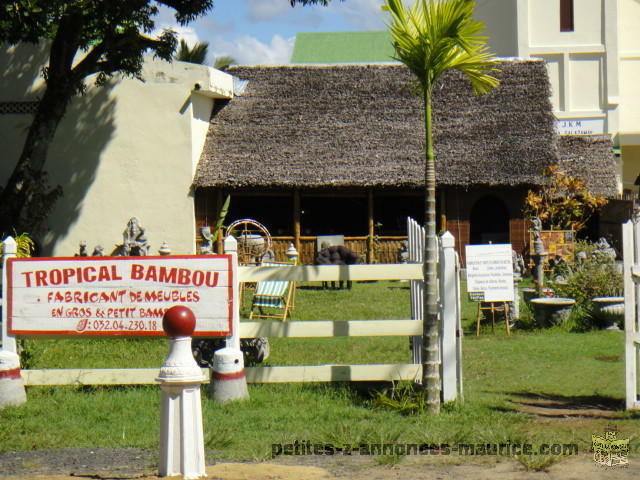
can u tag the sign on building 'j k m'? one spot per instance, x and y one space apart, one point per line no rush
117 295
490 272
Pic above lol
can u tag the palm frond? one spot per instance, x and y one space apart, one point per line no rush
433 36
196 54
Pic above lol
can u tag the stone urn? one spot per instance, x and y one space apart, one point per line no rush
530 292
549 311
609 310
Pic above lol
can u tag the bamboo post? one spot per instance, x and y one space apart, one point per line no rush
220 239
443 211
371 228
296 220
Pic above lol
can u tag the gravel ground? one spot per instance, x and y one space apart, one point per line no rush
123 462
132 463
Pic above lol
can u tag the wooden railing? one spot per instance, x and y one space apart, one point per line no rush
385 249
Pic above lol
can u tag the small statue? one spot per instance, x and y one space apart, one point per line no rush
536 230
536 227
604 250
403 253
134 240
207 245
83 249
518 265
98 251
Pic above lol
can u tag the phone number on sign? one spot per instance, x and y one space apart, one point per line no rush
123 325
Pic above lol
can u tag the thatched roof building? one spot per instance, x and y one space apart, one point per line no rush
363 126
339 149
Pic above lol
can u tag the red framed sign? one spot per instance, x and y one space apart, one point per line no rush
118 295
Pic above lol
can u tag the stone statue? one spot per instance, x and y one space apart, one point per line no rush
83 249
403 252
518 265
98 251
207 245
536 229
604 250
134 240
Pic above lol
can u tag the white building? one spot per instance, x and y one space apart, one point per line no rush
592 49
128 149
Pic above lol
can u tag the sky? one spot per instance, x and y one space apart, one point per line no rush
263 31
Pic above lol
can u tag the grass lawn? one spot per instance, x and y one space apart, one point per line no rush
513 388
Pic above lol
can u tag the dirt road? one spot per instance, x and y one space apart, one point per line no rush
124 463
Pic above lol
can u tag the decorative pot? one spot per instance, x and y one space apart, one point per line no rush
610 310
530 292
550 311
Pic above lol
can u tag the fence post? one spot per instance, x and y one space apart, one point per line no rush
9 250
448 317
629 249
228 380
231 248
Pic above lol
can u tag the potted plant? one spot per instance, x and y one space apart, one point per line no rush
596 284
563 204
549 311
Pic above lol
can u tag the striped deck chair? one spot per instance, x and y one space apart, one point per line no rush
273 298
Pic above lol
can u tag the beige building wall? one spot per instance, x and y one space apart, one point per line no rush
629 44
499 18
592 69
126 150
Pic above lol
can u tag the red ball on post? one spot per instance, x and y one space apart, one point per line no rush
179 321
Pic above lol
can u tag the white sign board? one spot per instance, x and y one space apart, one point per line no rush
117 295
490 272
580 126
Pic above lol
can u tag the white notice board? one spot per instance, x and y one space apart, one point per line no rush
490 272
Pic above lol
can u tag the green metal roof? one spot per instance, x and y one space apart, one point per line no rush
342 47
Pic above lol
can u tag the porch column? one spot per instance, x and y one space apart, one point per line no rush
296 221
370 242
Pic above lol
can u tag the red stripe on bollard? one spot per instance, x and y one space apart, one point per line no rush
13 374
227 376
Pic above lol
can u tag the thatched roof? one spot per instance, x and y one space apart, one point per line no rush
590 157
363 126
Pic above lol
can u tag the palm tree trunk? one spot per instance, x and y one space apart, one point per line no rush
430 330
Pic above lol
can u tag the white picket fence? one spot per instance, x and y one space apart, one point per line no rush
451 333
450 314
631 265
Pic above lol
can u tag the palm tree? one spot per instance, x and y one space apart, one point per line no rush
197 54
223 62
431 37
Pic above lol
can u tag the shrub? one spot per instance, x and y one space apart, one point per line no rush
595 276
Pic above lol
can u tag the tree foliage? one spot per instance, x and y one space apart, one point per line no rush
86 39
430 38
196 54
564 202
97 39
223 62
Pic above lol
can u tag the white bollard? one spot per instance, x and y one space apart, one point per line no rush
228 381
12 390
181 435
